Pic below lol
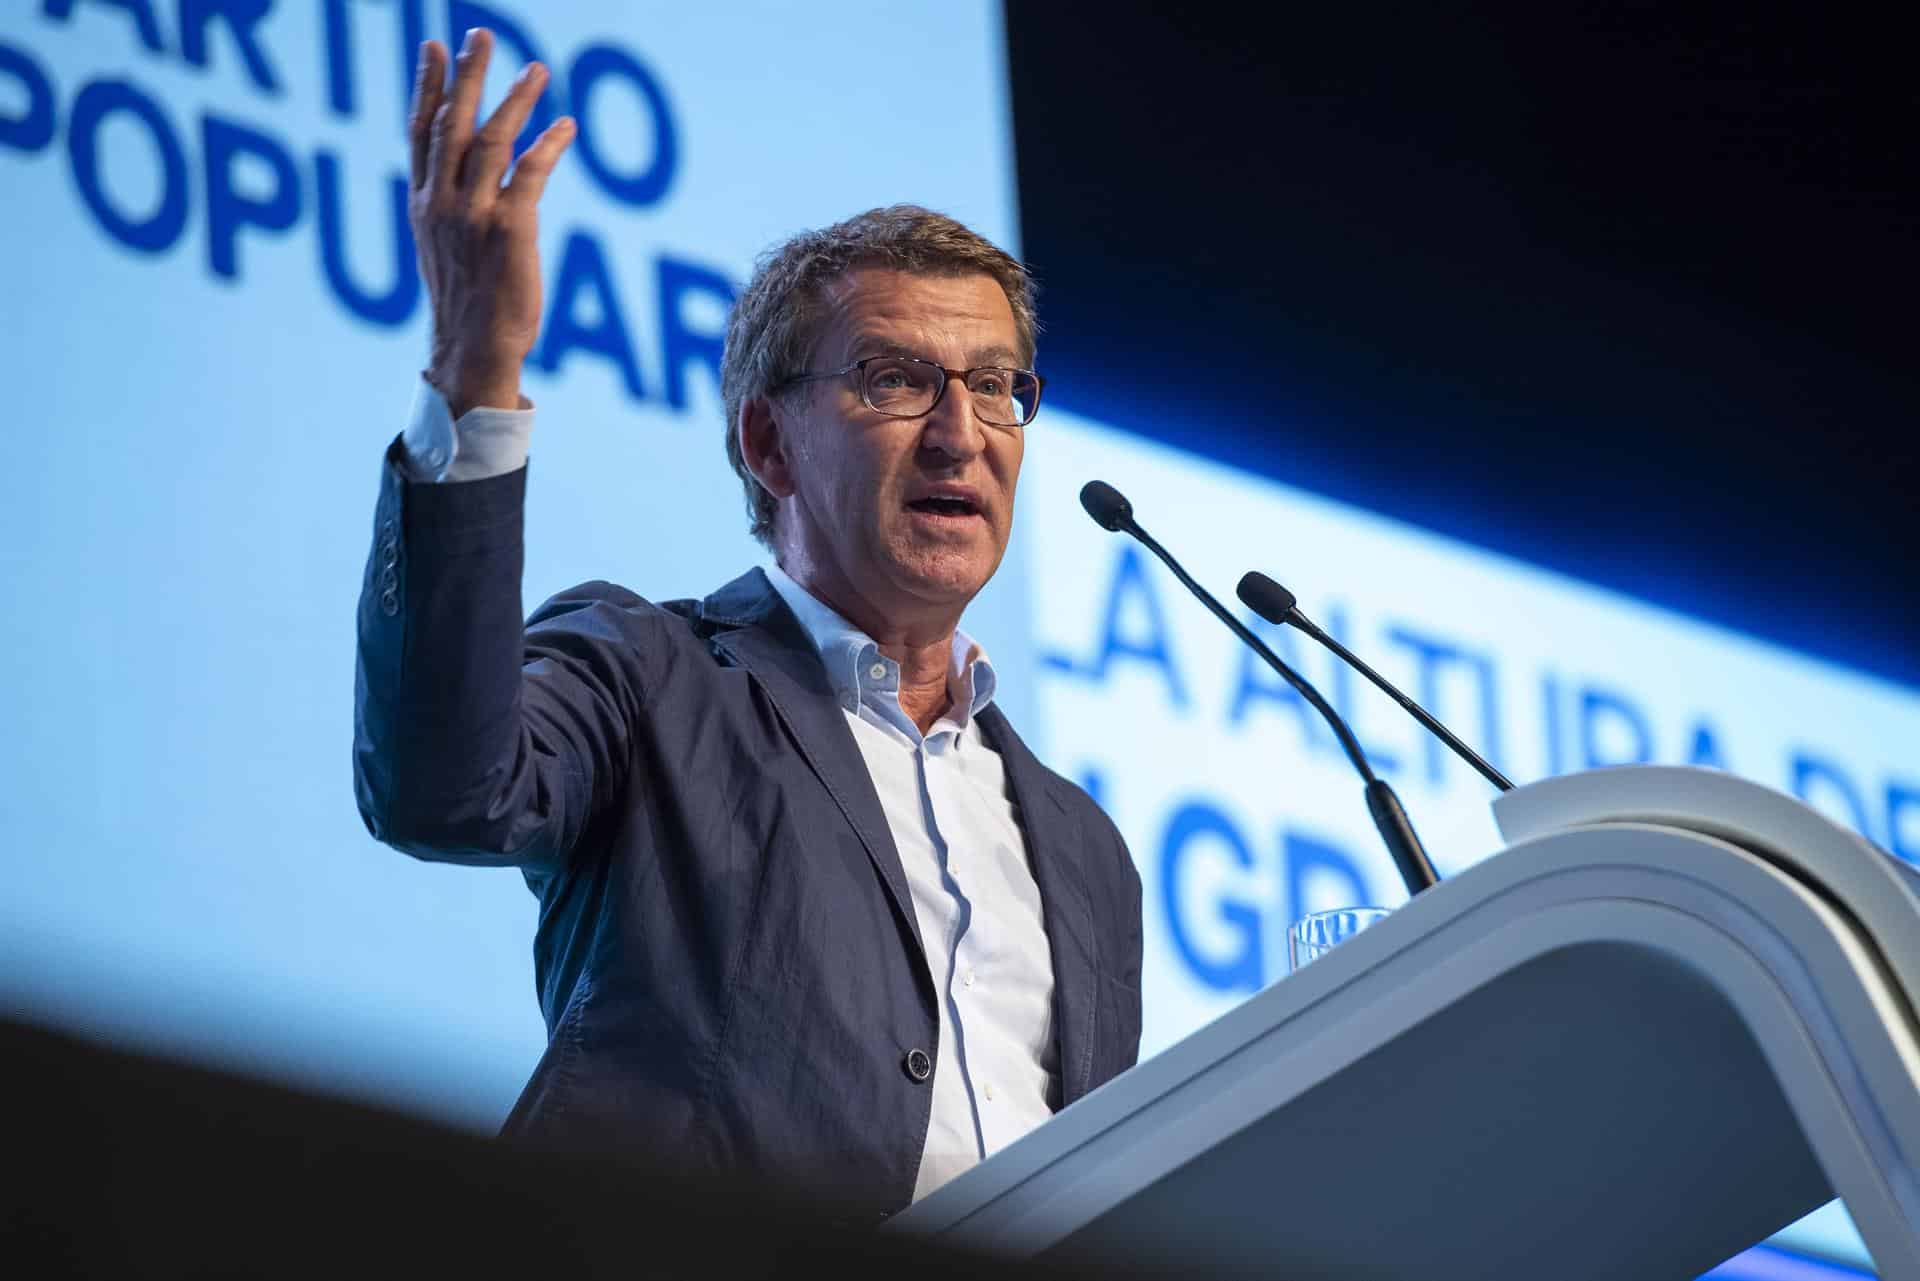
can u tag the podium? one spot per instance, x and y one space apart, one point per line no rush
1676 1013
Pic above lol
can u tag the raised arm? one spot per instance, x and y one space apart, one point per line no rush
473 742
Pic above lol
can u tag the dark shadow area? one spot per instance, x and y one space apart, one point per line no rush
124 1166
1620 290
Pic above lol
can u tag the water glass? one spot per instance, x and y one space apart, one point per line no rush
1316 933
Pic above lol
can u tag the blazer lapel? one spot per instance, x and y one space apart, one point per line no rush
767 640
1054 843
761 635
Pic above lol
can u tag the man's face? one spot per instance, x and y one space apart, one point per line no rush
902 513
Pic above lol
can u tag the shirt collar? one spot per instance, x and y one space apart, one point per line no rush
852 657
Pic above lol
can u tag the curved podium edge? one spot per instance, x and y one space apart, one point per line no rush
1834 1027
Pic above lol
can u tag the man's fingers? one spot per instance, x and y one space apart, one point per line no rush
492 147
453 122
429 86
537 162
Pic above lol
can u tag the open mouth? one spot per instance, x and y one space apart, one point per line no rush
949 507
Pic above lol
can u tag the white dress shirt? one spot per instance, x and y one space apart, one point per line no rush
996 1068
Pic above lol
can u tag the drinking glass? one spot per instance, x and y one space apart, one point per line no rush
1316 933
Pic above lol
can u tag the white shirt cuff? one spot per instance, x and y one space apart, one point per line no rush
484 443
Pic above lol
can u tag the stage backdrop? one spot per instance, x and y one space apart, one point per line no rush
213 329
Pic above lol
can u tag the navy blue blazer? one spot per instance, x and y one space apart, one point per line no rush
727 954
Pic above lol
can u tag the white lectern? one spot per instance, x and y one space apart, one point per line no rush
1675 1014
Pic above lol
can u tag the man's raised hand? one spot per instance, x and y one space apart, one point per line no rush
475 236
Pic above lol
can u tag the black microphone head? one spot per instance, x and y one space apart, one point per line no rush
1265 597
1107 505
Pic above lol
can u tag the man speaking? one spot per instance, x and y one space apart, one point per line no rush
810 911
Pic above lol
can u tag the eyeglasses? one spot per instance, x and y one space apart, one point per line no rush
907 387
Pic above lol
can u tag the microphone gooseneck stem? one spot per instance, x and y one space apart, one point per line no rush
1110 510
1240 629
1396 829
1412 708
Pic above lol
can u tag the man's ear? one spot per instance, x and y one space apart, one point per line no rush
764 445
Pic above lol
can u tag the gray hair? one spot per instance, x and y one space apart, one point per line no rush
770 331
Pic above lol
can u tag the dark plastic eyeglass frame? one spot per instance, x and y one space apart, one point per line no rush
948 375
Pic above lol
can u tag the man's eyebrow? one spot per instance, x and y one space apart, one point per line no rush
866 346
981 357
1005 357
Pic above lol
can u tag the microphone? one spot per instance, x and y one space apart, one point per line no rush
1108 506
1279 606
1111 510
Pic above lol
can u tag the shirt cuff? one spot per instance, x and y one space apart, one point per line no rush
485 442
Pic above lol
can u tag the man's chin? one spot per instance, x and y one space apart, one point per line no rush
947 574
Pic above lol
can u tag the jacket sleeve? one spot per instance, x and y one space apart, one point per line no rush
477 739
1129 930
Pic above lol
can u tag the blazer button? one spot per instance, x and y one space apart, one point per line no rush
918 1065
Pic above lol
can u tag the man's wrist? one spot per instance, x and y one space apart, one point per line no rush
470 389
484 442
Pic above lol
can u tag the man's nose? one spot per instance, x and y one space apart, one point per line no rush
952 428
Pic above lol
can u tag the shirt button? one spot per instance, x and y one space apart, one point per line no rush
967 978
919 1067
989 1091
878 671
